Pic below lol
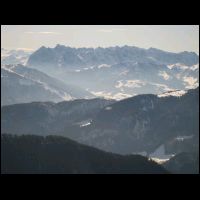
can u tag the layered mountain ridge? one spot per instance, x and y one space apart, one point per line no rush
20 84
119 72
64 56
128 126
72 92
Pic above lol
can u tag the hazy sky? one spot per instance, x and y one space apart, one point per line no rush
174 38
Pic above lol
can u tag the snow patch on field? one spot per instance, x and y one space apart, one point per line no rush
66 96
178 65
184 67
184 137
124 73
159 155
110 95
120 96
164 75
160 161
190 82
85 123
103 65
130 84
194 67
108 108
119 84
176 93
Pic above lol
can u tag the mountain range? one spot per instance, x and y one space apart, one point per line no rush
111 73
128 126
119 72
119 101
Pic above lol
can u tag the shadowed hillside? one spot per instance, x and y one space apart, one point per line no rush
53 154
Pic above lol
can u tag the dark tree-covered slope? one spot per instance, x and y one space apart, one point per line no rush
184 163
59 155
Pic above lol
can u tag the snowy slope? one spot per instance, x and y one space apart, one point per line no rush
119 72
20 84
